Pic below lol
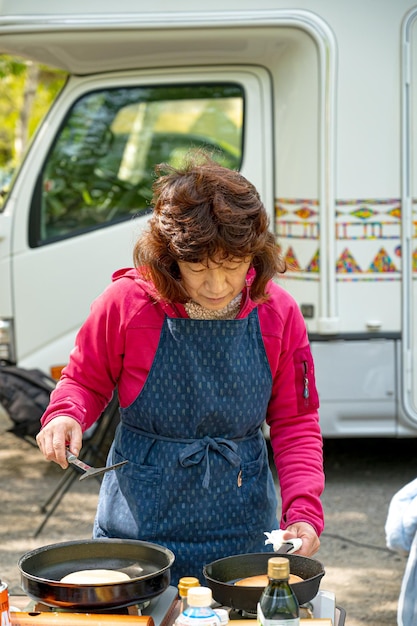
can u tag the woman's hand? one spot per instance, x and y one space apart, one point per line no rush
302 530
60 433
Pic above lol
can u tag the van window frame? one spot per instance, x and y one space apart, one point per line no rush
35 236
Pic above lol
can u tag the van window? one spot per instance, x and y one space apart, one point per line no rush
101 168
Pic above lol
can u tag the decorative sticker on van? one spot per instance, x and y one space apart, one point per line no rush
367 235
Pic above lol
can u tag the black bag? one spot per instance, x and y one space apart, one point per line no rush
24 394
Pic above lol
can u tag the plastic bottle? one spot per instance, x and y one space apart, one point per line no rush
278 604
184 584
223 615
199 611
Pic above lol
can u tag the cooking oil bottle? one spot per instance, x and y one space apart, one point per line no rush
184 584
278 604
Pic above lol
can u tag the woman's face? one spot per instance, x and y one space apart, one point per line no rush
213 284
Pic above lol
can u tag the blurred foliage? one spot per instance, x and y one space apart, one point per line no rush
27 90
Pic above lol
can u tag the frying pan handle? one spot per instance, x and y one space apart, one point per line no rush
289 546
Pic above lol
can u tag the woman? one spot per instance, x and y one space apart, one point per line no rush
202 347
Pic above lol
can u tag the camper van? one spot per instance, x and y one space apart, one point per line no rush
314 102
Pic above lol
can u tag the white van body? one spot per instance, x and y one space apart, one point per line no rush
322 101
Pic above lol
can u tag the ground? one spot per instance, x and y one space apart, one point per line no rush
361 477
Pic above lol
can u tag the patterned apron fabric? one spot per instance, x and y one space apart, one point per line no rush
198 479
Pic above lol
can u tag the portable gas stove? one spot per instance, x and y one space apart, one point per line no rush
160 611
163 610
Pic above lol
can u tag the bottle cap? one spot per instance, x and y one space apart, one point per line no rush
199 596
185 583
278 567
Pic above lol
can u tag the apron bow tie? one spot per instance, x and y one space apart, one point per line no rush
197 451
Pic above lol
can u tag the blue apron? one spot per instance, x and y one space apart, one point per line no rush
198 479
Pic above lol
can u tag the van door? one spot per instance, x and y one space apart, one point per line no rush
84 192
409 218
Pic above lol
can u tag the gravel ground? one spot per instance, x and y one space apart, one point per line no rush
361 476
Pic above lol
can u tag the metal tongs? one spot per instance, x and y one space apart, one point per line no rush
87 469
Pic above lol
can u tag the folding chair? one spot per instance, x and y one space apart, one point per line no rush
96 444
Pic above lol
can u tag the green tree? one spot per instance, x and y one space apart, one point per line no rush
27 90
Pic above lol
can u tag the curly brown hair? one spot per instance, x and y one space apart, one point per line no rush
205 211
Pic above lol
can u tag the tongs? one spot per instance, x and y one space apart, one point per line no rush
87 469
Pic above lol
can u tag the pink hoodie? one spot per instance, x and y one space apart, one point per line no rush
116 346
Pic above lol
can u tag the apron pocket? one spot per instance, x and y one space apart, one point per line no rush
259 495
129 501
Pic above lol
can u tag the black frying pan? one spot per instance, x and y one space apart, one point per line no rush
221 575
147 564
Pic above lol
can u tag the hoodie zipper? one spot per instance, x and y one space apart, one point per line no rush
306 391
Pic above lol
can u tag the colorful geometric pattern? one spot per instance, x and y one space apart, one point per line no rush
314 265
346 263
382 263
291 261
360 228
363 213
395 212
304 213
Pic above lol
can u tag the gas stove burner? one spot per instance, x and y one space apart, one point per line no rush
143 605
306 612
238 614
128 610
